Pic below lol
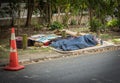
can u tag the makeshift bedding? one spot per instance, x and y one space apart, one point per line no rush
75 43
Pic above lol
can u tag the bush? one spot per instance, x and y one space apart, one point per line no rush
56 25
95 25
38 27
73 22
112 23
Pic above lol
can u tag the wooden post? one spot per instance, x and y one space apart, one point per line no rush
25 42
64 34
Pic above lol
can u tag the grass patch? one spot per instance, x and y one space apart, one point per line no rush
116 41
4 53
80 29
34 50
4 48
106 36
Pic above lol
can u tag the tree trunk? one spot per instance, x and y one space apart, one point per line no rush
49 12
29 14
118 13
80 18
90 16
18 20
13 18
58 17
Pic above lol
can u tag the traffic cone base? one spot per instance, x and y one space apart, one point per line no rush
19 67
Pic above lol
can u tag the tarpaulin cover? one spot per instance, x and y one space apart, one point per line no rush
74 43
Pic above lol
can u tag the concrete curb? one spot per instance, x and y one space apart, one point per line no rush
76 53
99 50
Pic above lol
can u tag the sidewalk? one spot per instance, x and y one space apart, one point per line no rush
37 57
34 57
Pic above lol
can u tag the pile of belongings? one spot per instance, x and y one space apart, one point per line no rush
73 41
42 39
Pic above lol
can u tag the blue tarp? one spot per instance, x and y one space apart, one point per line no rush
74 43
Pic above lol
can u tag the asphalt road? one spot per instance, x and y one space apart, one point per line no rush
98 68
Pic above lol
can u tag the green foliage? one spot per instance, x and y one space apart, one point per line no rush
56 25
73 22
38 26
95 25
36 11
65 20
112 23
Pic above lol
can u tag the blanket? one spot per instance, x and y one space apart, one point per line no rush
75 43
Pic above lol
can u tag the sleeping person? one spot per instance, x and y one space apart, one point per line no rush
75 42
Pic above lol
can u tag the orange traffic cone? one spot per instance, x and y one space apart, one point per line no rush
14 64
